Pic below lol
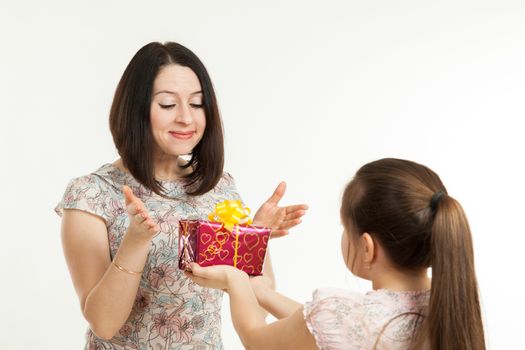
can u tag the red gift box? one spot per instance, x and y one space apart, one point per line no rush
212 243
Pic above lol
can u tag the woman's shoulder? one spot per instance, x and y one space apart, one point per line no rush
226 177
92 192
105 176
226 183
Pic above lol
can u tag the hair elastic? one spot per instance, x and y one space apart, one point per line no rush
434 201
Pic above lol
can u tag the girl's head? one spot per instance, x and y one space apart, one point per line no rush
165 107
390 200
404 208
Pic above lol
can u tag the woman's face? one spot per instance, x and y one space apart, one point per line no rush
177 115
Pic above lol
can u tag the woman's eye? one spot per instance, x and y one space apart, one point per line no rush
168 106
196 105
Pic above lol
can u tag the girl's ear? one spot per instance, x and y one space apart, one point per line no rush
369 247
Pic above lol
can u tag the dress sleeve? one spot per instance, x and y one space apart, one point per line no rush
327 317
86 193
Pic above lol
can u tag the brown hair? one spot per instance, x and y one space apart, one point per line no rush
130 125
391 200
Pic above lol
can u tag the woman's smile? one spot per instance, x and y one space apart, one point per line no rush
182 135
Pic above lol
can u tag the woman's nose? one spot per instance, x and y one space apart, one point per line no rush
184 115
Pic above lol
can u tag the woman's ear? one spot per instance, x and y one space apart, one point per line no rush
369 247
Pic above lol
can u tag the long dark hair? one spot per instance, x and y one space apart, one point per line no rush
130 125
406 208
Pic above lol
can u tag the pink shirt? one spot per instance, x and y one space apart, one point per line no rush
341 319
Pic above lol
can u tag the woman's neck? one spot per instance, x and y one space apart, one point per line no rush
166 169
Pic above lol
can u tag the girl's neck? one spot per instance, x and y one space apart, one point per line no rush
400 280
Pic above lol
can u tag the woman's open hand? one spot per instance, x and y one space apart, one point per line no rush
279 219
140 223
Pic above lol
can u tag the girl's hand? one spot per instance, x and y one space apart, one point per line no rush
217 276
279 219
140 223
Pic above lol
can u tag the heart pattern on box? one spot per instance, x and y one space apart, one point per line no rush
251 240
205 238
215 245
261 253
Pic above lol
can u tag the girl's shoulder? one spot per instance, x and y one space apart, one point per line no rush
331 296
338 317
330 300
401 299
324 293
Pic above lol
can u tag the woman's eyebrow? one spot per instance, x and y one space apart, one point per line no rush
174 93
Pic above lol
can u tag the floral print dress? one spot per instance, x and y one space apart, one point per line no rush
170 311
381 319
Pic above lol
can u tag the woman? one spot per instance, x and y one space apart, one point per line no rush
123 259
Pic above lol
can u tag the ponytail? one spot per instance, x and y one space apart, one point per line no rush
407 208
454 316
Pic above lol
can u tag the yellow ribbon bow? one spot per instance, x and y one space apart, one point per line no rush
231 213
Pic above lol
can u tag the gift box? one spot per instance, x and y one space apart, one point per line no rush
227 239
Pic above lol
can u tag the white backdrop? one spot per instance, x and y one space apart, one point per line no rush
309 91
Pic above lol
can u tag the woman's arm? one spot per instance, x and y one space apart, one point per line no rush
106 293
288 333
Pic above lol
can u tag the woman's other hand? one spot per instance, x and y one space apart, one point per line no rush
279 219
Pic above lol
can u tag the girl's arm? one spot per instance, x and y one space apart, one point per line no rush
270 278
288 333
280 306
106 293
280 220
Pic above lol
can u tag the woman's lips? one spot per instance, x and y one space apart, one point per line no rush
182 135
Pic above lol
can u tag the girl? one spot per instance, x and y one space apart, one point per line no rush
124 269
398 220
